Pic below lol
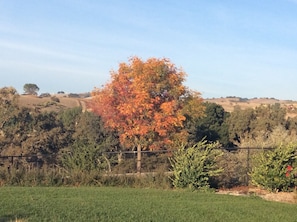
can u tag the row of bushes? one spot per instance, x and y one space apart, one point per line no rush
203 165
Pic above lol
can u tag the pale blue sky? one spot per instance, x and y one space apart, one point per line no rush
245 48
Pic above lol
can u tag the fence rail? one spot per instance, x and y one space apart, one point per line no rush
235 161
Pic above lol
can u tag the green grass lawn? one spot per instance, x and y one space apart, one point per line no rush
128 204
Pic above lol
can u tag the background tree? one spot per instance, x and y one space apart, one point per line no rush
240 124
144 102
8 104
9 111
213 125
90 141
268 117
46 136
291 125
31 89
252 127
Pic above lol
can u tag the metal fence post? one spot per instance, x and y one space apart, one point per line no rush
247 166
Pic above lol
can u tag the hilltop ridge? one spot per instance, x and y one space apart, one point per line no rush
55 102
229 103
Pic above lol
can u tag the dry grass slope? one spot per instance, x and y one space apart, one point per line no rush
49 104
230 103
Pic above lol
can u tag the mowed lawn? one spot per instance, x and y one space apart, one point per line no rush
130 204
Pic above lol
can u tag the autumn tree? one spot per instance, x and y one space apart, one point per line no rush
145 102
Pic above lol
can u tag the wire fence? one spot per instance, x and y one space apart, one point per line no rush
236 162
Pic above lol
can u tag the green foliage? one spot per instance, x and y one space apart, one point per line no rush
90 141
239 123
268 117
212 126
84 157
89 129
271 168
25 131
43 136
192 167
69 117
157 180
278 136
81 138
21 176
250 124
31 89
9 111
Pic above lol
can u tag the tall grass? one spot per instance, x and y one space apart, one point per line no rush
131 204
47 176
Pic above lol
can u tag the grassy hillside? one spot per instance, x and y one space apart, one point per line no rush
51 103
65 101
229 103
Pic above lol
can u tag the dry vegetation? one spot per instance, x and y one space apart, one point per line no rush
285 197
229 103
51 103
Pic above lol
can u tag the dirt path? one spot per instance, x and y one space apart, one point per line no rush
82 104
286 197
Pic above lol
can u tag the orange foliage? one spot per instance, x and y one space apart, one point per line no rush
144 102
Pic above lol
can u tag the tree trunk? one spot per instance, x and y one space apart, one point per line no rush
138 159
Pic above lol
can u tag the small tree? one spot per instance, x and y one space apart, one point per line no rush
270 169
31 89
145 104
193 167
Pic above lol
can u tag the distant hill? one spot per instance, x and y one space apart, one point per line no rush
55 102
229 103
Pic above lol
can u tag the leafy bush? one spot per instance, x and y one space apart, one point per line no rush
83 157
193 166
275 169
